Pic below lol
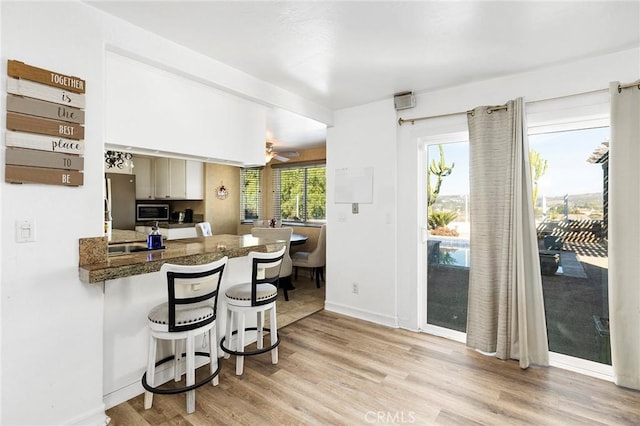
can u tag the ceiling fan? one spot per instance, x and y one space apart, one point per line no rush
283 156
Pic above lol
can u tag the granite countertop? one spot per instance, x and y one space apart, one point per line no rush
96 266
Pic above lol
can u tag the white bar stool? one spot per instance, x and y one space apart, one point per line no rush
254 297
189 311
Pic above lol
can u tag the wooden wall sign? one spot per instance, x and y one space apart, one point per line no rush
20 174
44 143
44 126
27 157
19 69
44 109
44 135
46 93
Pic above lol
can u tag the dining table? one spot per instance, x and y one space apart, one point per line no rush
298 239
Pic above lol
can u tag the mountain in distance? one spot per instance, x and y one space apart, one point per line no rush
457 203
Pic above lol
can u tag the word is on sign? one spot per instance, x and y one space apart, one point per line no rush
46 93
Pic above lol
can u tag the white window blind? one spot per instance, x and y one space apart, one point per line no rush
299 193
251 194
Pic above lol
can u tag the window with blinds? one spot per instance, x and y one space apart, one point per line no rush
299 193
251 194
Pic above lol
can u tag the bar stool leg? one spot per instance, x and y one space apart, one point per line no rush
228 334
273 324
177 357
260 327
240 345
191 374
213 353
151 371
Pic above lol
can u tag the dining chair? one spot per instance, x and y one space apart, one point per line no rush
315 259
203 229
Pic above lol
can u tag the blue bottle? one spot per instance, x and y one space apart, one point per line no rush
154 239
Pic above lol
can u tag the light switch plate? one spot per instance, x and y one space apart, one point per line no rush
354 208
25 231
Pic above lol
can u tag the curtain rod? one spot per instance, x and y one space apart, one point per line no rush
401 121
491 109
626 86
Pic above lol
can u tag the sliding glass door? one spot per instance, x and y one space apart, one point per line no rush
570 175
446 223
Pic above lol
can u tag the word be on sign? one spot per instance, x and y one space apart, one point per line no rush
21 174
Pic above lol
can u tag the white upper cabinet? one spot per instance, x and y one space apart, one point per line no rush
176 179
168 178
143 169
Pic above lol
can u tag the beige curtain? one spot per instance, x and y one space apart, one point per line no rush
506 307
624 235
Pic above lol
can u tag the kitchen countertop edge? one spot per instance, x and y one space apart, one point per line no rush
190 251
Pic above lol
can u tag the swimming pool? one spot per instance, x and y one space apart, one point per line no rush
453 251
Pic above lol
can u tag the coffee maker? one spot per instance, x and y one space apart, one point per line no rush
188 215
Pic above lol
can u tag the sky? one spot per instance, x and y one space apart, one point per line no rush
567 152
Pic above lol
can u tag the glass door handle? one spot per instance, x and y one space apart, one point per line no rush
424 234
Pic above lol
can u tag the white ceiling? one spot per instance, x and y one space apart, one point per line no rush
340 54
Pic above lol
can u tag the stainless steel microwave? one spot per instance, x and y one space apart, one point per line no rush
149 212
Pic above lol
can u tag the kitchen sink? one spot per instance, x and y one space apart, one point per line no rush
118 249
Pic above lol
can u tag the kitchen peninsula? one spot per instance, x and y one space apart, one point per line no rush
133 284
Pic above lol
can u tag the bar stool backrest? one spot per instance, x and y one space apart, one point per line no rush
260 263
192 287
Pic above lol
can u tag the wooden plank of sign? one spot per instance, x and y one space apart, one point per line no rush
46 93
44 109
43 126
43 143
20 174
28 72
50 160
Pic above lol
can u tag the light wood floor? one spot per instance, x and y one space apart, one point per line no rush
303 301
337 370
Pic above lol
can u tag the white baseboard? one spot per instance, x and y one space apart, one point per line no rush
362 314
164 373
95 417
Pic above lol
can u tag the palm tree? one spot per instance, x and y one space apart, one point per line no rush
538 168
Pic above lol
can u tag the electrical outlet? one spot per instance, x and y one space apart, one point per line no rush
355 288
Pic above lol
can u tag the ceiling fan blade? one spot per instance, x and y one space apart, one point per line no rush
289 153
281 158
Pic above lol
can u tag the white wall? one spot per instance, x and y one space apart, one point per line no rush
51 323
364 131
362 247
